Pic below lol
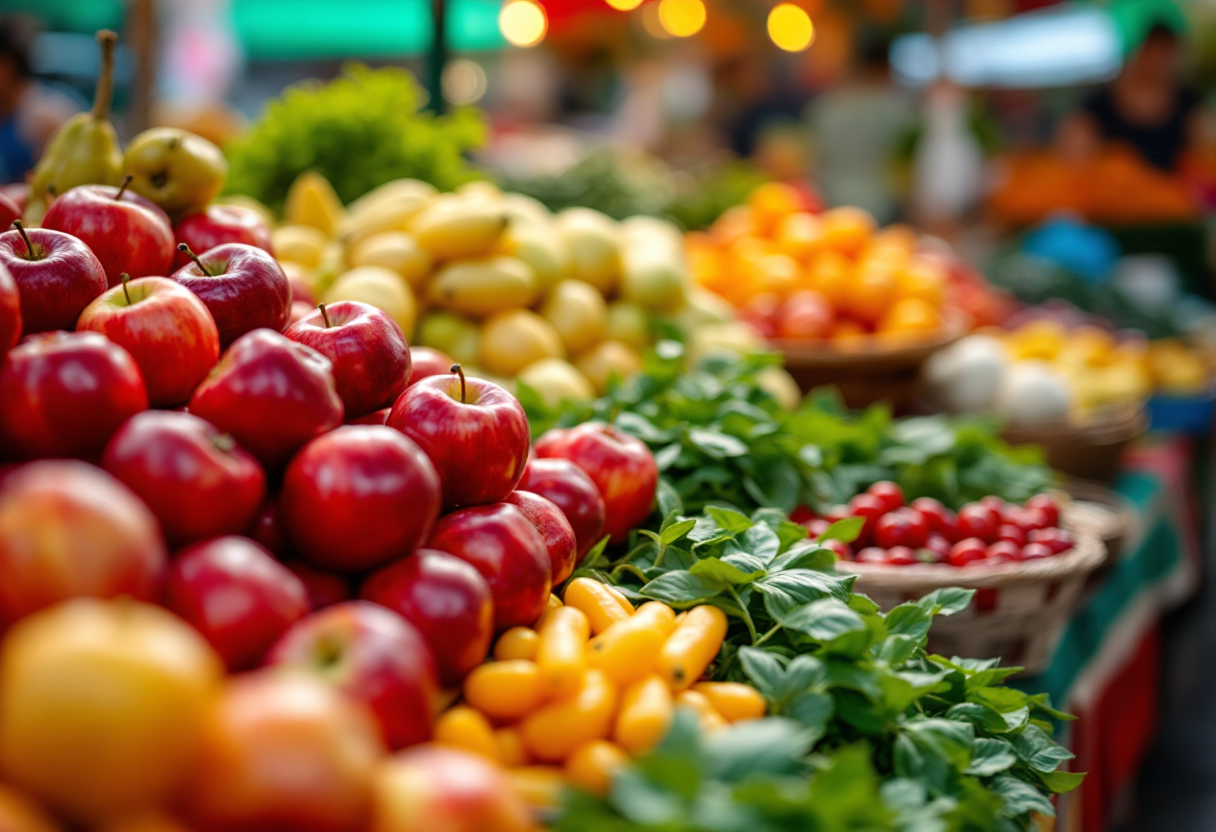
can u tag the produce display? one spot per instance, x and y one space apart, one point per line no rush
833 278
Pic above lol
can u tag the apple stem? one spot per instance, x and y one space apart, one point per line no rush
224 442
324 315
122 189
31 251
126 278
194 257
458 370
104 93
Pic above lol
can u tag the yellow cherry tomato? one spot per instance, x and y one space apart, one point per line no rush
628 649
707 715
645 715
602 604
517 643
555 730
538 786
734 701
505 691
562 654
512 752
592 765
694 644
464 728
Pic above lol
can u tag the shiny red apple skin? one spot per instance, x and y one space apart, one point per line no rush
554 529
64 394
10 312
426 362
359 497
299 311
376 417
240 598
57 286
165 328
479 444
449 602
508 552
374 656
216 225
272 394
266 529
9 208
325 589
622 467
370 356
198 482
567 486
129 235
105 542
244 289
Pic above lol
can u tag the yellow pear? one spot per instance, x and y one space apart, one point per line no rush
311 201
728 338
703 307
629 324
593 241
388 208
481 189
394 250
381 288
398 190
557 381
453 227
521 208
301 244
483 286
514 339
578 313
608 360
781 386
541 247
451 334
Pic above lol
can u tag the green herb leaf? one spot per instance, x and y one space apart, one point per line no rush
991 756
683 589
846 530
824 620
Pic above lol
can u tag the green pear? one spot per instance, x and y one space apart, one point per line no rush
174 168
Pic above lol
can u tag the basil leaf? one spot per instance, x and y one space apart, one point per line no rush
676 531
824 620
788 590
762 669
683 589
759 747
715 570
716 444
669 499
1020 797
846 530
1039 751
991 756
947 601
729 520
909 620
1060 782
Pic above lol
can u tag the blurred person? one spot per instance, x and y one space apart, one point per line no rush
856 128
30 111
1146 107
948 168
762 97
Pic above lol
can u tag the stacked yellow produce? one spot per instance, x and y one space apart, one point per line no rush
495 281
593 684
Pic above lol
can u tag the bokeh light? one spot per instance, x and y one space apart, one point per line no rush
523 23
464 82
790 27
682 18
624 5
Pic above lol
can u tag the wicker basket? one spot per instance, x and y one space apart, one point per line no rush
1088 452
869 373
1019 611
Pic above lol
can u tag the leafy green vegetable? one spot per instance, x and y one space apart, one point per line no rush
359 131
721 439
619 186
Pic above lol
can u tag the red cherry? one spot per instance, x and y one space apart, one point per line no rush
968 551
1058 540
872 554
817 527
870 508
843 550
903 527
802 515
1034 518
1048 505
936 515
891 494
939 546
993 502
1035 551
901 556
1004 551
1011 533
980 521
837 513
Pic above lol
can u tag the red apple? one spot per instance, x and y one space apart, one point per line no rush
272 394
216 225
10 312
301 287
426 362
244 289
9 208
359 497
568 487
69 530
198 482
554 529
324 588
508 552
376 417
56 274
238 596
437 788
267 530
474 431
299 311
622 467
64 394
167 330
367 349
284 751
448 601
128 233
374 656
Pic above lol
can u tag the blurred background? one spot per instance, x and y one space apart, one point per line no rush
1065 146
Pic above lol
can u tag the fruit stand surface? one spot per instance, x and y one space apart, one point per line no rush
1106 668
